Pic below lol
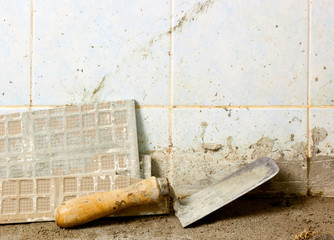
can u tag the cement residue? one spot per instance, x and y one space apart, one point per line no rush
211 146
160 163
318 135
204 125
300 148
262 147
229 140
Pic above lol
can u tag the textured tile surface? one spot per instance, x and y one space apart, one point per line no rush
244 135
109 50
34 199
51 155
234 52
73 140
322 161
15 52
321 53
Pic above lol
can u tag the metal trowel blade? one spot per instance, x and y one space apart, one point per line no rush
225 191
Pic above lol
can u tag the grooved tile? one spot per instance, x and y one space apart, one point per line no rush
34 199
55 142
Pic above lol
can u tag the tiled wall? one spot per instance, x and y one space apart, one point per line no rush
253 76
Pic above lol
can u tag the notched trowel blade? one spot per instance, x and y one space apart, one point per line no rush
225 191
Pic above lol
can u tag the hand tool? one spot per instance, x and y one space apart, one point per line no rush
84 209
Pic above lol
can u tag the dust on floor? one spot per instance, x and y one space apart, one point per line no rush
245 218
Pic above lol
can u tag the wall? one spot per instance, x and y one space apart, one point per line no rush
255 77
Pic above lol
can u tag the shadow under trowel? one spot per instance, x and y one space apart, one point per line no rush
247 206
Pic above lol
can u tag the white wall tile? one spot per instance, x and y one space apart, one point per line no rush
240 52
152 128
101 50
321 52
245 126
245 135
15 52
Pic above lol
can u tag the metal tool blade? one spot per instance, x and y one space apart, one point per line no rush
225 191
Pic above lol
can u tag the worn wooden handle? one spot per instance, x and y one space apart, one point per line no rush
88 208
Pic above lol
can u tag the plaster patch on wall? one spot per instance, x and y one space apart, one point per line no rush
319 134
262 147
321 174
196 168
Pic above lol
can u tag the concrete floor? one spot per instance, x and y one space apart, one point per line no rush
245 218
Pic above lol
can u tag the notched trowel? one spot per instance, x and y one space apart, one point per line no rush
151 190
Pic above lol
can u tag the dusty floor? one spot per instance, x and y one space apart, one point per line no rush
245 218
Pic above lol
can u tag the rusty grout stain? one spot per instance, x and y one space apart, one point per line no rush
31 53
171 94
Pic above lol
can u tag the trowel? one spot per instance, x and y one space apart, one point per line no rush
88 208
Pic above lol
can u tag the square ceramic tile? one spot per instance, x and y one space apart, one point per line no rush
322 161
109 50
152 128
15 52
321 52
241 136
240 52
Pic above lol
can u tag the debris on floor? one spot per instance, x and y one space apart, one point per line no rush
307 233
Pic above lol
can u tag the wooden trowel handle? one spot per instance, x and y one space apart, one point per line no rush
88 208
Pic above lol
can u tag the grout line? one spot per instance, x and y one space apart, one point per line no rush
153 106
321 106
309 153
309 150
171 93
31 52
194 106
242 106
256 106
